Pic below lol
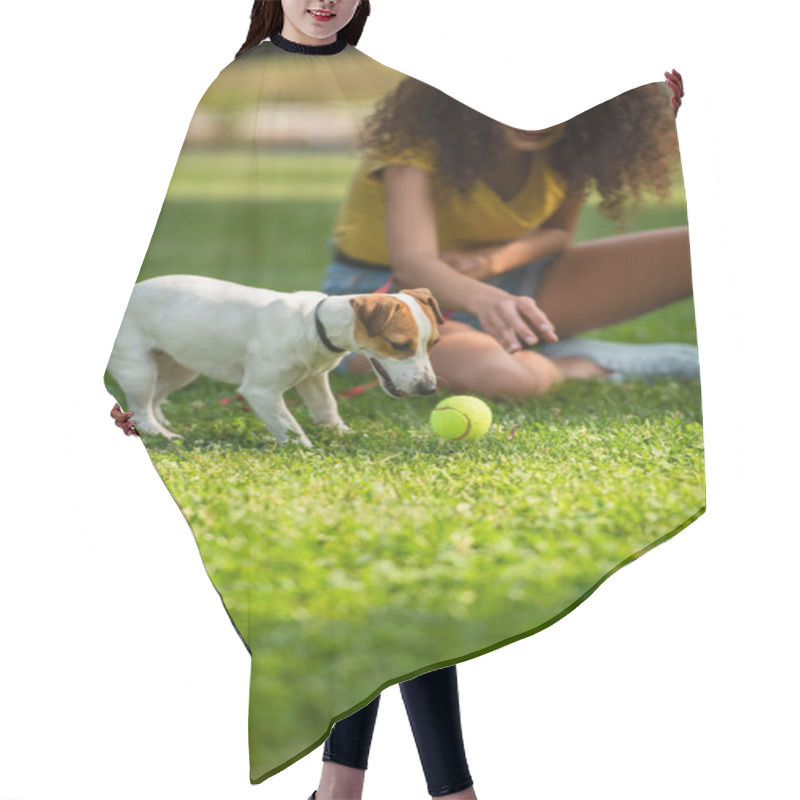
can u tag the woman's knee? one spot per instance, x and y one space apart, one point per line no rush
520 376
517 376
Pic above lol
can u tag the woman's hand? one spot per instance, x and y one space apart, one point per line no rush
476 264
511 319
124 420
485 262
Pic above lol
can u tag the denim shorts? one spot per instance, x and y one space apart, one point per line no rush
344 279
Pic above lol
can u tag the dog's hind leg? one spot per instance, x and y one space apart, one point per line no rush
171 376
272 410
136 371
317 395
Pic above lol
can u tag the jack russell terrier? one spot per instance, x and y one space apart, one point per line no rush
177 327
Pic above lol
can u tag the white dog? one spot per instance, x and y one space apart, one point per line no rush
177 327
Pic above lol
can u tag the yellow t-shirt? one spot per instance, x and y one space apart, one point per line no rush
482 219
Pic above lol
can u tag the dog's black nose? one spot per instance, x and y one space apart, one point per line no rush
424 387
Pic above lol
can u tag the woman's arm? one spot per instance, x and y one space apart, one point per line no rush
414 249
553 236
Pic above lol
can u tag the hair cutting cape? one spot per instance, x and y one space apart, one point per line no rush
387 552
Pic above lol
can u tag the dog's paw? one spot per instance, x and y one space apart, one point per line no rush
337 425
292 437
157 430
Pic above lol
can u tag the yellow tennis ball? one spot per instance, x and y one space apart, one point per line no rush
461 418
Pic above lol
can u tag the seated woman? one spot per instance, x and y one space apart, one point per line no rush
484 215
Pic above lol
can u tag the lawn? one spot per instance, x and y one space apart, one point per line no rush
383 553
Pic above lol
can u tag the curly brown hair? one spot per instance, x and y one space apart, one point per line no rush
626 145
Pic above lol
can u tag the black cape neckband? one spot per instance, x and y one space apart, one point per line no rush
308 49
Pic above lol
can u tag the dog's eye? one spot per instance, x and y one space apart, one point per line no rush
401 345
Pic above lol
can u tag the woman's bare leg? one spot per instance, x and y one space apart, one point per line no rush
468 360
599 283
339 782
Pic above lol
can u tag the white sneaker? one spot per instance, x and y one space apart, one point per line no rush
629 361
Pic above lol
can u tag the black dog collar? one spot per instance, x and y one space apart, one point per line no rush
321 331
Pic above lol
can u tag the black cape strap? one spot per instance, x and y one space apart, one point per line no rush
308 49
321 331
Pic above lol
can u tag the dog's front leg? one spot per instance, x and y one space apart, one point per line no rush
274 414
318 397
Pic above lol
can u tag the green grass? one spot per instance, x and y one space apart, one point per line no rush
592 474
387 551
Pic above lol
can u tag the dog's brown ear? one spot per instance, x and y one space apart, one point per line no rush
374 311
425 297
